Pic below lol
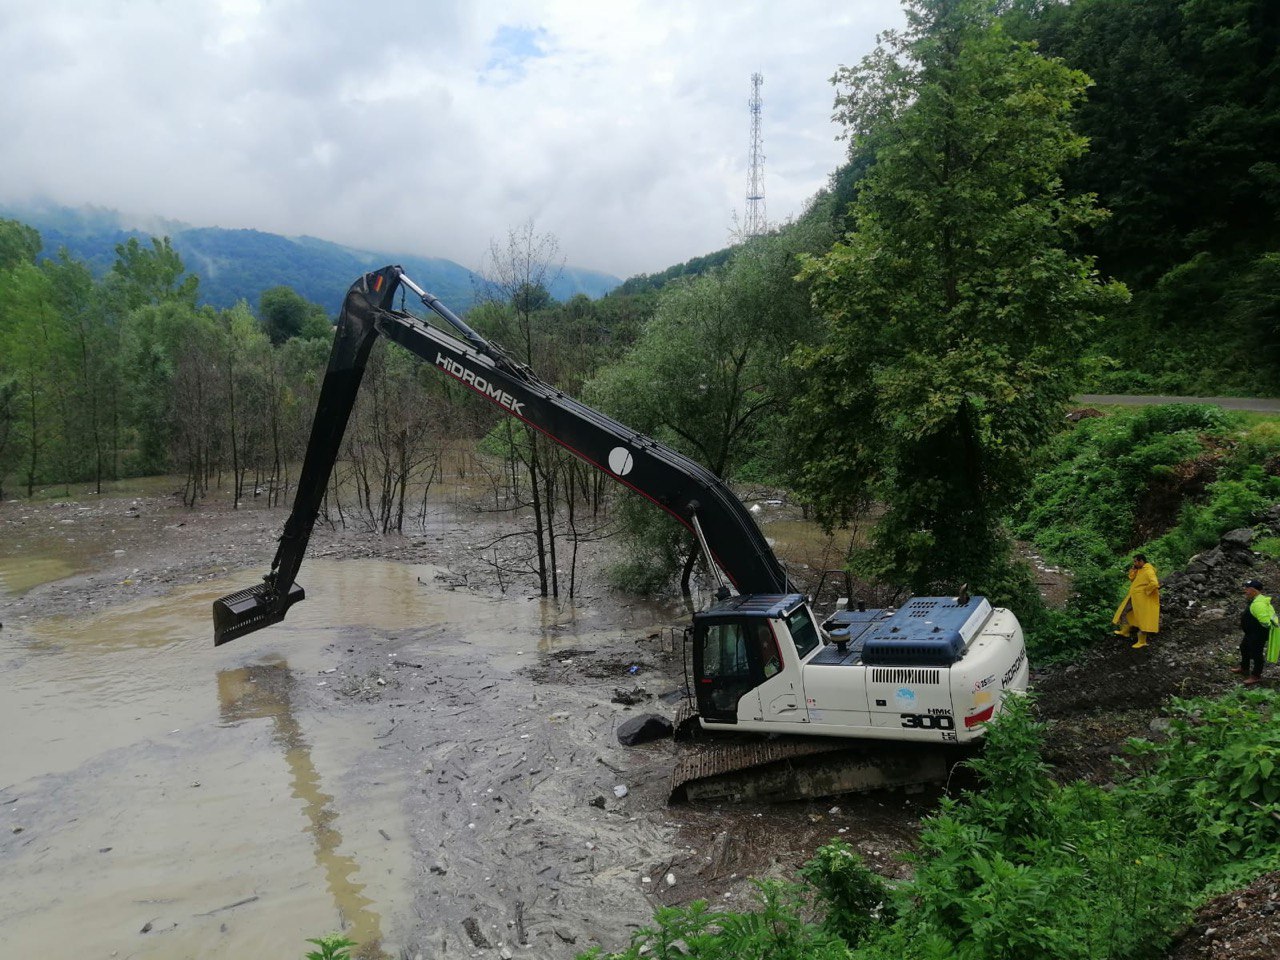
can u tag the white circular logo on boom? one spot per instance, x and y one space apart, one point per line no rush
620 461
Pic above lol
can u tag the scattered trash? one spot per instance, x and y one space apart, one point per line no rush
619 791
630 698
472 926
633 669
671 879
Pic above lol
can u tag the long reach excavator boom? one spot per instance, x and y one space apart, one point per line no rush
681 486
931 673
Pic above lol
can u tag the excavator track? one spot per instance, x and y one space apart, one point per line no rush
780 768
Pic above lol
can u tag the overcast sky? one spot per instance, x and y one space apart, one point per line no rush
431 127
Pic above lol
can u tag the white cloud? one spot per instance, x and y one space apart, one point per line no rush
429 127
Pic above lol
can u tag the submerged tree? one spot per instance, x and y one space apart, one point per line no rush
955 314
517 277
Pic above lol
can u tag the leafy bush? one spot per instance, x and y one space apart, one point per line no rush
1268 545
1025 868
855 900
1229 504
1216 773
333 946
655 545
777 931
1084 504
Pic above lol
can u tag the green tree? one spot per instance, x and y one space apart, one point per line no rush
286 314
19 246
955 315
1184 125
142 275
90 343
19 243
706 375
28 326
244 360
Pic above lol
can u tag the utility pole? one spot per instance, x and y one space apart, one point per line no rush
757 222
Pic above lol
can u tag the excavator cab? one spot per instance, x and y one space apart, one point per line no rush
747 652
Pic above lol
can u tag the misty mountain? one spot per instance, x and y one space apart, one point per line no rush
239 264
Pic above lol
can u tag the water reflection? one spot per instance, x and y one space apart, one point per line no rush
263 691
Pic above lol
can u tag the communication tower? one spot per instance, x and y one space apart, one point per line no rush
756 221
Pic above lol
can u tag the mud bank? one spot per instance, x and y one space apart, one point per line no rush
414 756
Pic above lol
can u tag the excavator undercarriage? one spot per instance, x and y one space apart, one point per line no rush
772 768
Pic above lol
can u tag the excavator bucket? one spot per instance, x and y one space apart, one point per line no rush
248 610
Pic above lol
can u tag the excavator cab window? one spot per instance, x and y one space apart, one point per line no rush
731 658
803 633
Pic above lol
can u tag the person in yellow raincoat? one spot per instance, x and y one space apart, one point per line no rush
1140 608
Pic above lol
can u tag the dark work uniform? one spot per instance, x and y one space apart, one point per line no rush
1253 643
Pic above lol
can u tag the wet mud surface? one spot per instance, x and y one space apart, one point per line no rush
414 756
1240 925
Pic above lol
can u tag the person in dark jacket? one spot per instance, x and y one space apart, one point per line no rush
1255 624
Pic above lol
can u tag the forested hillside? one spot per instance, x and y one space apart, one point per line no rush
236 265
1183 121
1183 124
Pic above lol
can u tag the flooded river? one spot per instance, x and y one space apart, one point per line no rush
433 770
163 798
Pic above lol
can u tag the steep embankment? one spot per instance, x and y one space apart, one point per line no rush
1114 692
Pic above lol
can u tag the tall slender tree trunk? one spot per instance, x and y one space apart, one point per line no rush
536 492
235 452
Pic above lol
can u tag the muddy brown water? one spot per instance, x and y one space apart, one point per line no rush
429 769
213 796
